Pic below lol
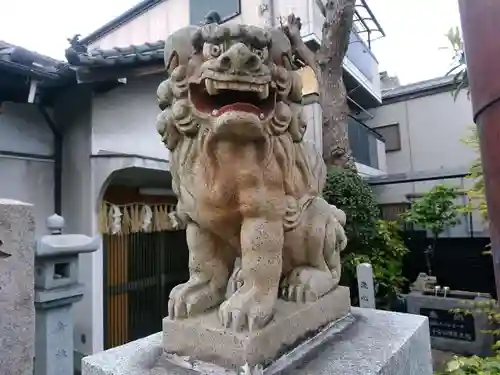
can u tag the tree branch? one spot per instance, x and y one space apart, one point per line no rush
336 31
321 6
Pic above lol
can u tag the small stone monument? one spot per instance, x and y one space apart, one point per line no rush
249 186
56 290
17 312
366 288
452 329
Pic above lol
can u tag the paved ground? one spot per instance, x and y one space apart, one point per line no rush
440 359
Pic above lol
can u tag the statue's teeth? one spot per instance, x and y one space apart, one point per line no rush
244 86
210 86
220 85
264 92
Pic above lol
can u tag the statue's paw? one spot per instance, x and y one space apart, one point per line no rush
306 284
297 293
246 310
235 282
192 298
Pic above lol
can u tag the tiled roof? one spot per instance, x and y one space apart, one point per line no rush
19 60
135 55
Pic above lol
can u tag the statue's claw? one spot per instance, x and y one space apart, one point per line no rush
306 284
246 310
191 298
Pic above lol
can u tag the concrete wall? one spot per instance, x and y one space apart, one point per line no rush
431 129
73 112
31 178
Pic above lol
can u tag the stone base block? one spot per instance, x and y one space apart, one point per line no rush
377 343
203 338
454 332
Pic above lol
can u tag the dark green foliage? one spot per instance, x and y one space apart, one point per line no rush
349 192
370 239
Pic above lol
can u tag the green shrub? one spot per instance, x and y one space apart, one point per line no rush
473 366
349 192
370 239
477 365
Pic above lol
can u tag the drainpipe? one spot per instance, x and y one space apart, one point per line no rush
479 20
58 150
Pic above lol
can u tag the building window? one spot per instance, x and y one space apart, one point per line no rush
391 135
227 9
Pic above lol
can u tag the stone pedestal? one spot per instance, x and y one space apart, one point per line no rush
203 337
17 311
377 343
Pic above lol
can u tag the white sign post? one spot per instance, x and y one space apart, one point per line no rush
365 286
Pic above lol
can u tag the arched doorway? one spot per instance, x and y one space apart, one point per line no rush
144 256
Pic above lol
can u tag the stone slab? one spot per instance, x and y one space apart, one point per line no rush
482 343
17 310
203 338
378 343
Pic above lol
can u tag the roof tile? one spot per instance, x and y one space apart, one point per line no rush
79 56
24 61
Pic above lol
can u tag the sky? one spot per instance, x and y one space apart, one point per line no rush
412 49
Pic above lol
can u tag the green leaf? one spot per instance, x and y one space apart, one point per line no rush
370 239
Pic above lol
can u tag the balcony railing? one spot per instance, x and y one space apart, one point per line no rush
361 56
364 143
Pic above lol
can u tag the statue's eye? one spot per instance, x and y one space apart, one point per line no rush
211 51
215 50
261 53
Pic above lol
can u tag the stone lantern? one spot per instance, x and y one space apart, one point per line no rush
56 290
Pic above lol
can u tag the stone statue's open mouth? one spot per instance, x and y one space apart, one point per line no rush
218 97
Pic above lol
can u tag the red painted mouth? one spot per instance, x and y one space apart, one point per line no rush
228 100
240 107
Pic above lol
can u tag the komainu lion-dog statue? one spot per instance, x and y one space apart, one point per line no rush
248 186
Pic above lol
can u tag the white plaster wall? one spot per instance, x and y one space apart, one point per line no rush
124 119
23 130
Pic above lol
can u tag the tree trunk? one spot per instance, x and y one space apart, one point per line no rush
327 65
333 95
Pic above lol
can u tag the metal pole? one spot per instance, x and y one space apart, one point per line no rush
482 49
